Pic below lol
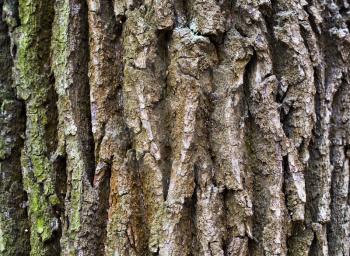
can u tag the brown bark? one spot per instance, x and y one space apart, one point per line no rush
162 127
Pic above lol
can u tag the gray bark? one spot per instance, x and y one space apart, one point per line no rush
162 127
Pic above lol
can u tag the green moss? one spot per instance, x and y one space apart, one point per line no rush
35 204
54 200
33 84
39 168
40 225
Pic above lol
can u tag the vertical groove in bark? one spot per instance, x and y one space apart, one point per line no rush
81 232
104 43
125 212
339 224
268 141
228 140
191 60
14 235
268 201
143 90
297 91
334 44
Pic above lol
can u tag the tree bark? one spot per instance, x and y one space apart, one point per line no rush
174 127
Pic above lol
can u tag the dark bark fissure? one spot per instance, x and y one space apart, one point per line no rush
163 37
82 97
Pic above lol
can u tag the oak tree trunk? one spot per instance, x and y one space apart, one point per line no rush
174 127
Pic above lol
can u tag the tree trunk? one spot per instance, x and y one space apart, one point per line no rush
174 127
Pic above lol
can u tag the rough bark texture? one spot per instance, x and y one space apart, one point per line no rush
174 128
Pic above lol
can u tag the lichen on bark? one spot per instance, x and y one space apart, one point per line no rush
162 127
34 87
